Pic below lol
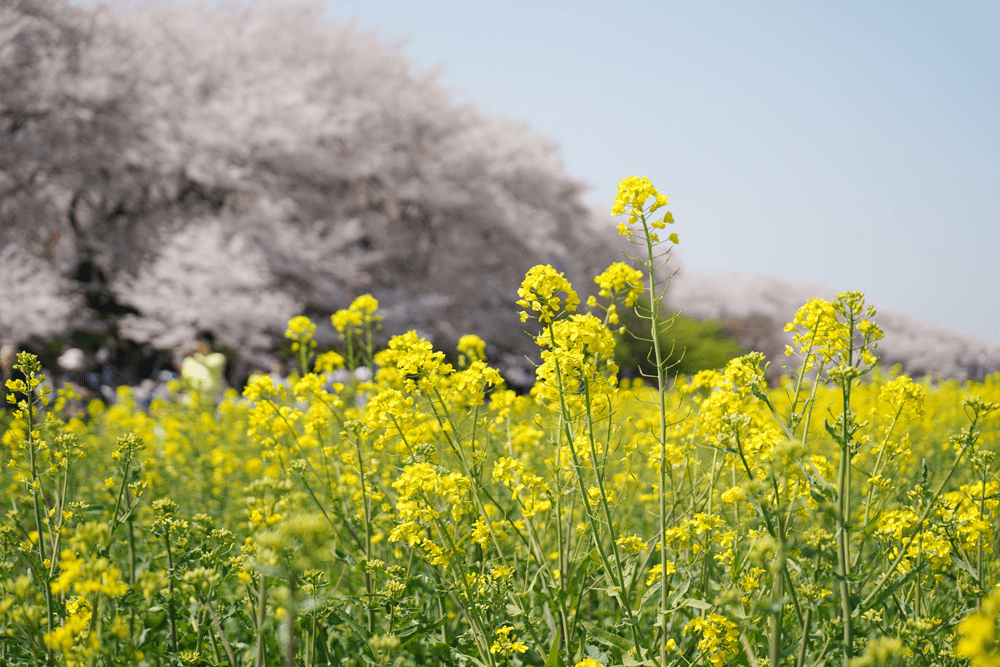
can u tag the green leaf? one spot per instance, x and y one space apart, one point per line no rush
418 630
629 661
597 654
346 618
697 604
628 572
555 657
679 593
833 433
605 637
653 590
964 567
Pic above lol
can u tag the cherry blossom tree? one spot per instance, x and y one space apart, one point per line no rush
337 167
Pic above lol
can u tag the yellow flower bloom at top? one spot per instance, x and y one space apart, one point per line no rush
329 362
300 328
505 470
63 638
412 362
904 392
361 312
632 194
473 347
540 292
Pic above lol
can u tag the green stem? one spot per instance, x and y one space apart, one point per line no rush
843 502
804 642
261 599
369 586
37 506
170 593
222 635
661 382
290 649
565 417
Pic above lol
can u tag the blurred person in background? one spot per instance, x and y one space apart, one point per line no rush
201 372
6 361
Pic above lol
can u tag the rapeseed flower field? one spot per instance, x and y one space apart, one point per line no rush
430 516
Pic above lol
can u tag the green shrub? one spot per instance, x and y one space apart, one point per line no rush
692 345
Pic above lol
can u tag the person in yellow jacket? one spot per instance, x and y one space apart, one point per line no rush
201 373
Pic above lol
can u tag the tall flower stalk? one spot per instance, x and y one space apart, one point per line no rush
633 194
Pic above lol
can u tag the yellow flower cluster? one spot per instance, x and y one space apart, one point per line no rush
411 363
824 331
73 638
467 389
504 644
620 278
422 490
393 416
527 489
86 576
354 319
731 417
631 198
979 633
632 544
300 331
903 392
473 347
328 362
617 280
719 637
973 509
579 359
540 291
656 572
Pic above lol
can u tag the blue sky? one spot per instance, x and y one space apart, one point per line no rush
851 144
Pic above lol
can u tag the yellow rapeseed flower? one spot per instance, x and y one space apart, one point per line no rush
719 637
329 362
540 291
360 313
504 645
979 638
472 347
633 544
300 329
633 192
620 278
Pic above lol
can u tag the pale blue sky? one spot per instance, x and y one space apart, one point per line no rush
852 144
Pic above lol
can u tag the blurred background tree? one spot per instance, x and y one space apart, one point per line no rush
169 164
